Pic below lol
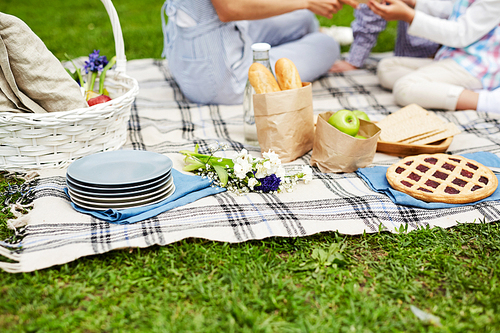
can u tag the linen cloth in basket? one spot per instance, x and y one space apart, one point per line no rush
32 79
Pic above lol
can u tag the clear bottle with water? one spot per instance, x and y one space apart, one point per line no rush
260 55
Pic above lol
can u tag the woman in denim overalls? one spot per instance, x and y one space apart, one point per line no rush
209 58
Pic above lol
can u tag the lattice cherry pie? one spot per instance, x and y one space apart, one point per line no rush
442 178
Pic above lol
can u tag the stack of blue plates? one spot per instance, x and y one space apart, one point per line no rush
120 179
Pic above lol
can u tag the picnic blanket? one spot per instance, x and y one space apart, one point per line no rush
162 120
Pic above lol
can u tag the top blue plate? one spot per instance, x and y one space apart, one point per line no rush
119 168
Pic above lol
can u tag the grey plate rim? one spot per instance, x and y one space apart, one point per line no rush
165 188
122 194
118 187
152 202
86 188
78 170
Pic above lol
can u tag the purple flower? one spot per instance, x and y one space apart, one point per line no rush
268 184
96 63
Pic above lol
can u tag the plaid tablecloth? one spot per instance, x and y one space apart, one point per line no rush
163 121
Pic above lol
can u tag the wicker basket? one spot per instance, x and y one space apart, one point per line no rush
52 140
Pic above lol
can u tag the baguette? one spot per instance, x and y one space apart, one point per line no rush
287 75
261 79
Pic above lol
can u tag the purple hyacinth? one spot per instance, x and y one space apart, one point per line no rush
268 184
96 63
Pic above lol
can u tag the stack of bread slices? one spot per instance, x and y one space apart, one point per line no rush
415 125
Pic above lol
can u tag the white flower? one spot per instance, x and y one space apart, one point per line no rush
267 166
213 147
252 182
272 157
280 173
273 160
242 164
287 186
242 156
260 171
307 171
241 170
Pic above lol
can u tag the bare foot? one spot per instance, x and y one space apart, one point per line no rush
342 66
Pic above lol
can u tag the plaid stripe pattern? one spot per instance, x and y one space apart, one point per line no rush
479 58
164 121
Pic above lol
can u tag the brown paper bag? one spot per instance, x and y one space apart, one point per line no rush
335 151
285 122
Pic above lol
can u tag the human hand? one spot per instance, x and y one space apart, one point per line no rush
342 66
393 10
327 8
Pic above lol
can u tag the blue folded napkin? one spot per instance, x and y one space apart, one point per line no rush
375 177
188 188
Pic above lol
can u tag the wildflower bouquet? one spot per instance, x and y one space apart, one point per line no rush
95 66
244 173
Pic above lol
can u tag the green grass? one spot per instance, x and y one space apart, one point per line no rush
276 285
77 27
264 286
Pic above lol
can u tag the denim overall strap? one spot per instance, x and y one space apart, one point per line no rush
168 9
172 30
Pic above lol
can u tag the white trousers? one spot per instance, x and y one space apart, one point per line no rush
426 82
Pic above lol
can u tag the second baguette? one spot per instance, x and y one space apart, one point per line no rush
261 79
287 75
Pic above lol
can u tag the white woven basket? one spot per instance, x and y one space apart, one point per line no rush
53 140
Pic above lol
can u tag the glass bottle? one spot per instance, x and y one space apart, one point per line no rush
260 55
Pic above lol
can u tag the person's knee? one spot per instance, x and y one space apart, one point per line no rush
402 90
331 47
307 19
384 73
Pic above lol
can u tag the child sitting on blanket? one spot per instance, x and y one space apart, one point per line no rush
465 74
366 27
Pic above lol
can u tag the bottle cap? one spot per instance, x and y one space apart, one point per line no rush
260 47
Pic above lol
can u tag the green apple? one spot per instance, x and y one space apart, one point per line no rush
357 136
361 115
345 121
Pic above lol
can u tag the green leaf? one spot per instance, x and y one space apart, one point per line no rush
306 266
212 160
102 77
78 71
92 80
193 166
222 173
70 73
187 152
223 162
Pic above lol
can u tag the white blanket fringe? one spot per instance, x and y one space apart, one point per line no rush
20 219
26 177
9 254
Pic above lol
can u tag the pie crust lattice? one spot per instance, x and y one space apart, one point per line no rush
442 178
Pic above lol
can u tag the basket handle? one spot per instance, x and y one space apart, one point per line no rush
121 60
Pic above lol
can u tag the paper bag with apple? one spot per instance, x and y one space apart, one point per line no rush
283 110
344 141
